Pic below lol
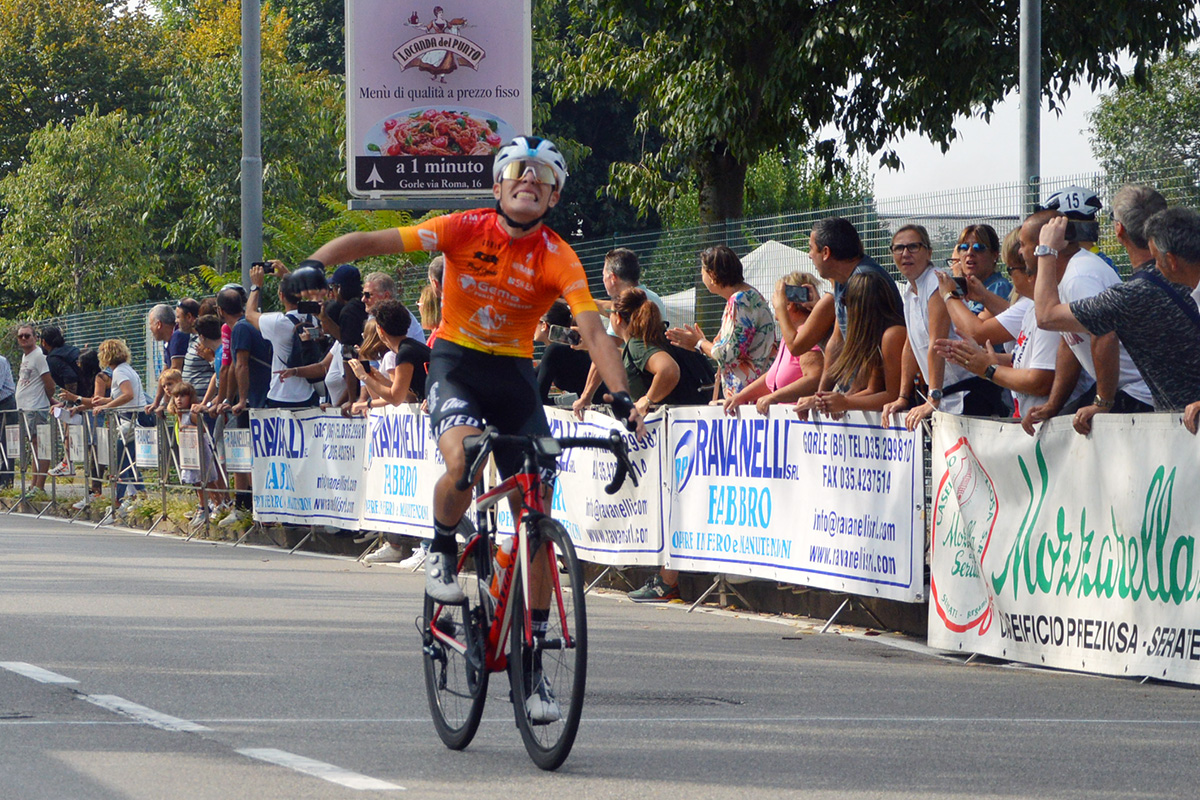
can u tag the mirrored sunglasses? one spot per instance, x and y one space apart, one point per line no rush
977 247
515 171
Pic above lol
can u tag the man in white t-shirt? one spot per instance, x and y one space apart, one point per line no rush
278 329
1083 274
35 387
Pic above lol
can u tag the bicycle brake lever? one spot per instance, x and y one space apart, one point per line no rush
624 467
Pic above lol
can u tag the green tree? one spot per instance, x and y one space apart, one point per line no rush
195 134
1153 128
59 60
728 80
74 235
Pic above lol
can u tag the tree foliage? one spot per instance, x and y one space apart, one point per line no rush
195 132
59 60
1152 128
74 235
729 80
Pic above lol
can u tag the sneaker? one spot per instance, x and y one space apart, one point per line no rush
655 591
62 470
82 504
199 520
417 558
441 579
541 705
232 518
388 554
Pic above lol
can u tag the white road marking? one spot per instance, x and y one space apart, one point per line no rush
319 769
142 714
37 673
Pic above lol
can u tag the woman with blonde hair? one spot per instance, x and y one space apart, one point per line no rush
789 377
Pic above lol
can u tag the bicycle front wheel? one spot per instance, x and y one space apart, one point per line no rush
548 677
454 647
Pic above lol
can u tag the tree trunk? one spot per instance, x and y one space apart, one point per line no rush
722 181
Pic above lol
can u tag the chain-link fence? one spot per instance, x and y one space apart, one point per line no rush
670 258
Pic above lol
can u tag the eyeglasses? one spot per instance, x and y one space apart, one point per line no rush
977 247
911 247
24 335
1022 269
366 295
542 173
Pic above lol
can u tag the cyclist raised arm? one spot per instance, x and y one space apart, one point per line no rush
504 268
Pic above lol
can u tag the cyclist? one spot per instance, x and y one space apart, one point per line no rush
503 270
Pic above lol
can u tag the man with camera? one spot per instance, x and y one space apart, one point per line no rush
280 329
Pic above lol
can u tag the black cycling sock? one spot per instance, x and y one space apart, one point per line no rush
443 539
541 621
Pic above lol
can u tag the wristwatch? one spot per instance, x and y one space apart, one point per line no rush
1100 402
948 295
935 395
990 372
1044 250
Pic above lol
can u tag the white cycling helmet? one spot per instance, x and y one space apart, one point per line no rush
1076 202
531 148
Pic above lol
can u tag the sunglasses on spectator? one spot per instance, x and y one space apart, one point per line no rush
977 247
366 295
515 171
24 335
911 247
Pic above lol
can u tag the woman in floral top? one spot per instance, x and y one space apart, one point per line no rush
746 344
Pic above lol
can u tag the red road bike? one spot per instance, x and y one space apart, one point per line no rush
463 643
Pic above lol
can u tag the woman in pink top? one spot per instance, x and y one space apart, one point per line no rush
790 377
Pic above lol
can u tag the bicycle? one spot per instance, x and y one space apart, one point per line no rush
464 643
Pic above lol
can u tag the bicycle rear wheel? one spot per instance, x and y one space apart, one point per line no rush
454 647
558 662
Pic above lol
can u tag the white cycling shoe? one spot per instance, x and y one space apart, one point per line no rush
441 579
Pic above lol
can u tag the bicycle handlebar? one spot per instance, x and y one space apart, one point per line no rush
478 447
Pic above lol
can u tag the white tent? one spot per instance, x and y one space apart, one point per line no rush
771 261
761 269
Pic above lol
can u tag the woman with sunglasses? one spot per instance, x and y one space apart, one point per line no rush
978 249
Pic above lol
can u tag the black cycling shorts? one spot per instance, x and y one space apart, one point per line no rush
470 387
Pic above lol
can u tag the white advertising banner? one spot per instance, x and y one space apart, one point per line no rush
1068 551
103 454
307 466
45 442
189 447
75 444
432 92
833 505
238 454
402 466
145 442
623 528
12 441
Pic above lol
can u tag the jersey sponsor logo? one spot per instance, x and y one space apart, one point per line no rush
551 246
489 319
456 420
487 290
453 404
429 239
489 258
431 394
523 269
520 284
576 286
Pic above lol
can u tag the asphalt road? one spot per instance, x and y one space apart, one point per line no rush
198 667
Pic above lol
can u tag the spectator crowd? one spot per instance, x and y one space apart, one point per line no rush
1031 325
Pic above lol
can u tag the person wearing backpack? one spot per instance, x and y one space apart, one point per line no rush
290 334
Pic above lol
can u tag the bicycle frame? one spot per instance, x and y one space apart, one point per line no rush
528 485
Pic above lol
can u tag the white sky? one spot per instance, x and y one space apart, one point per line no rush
988 152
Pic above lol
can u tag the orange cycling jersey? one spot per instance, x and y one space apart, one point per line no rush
495 288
